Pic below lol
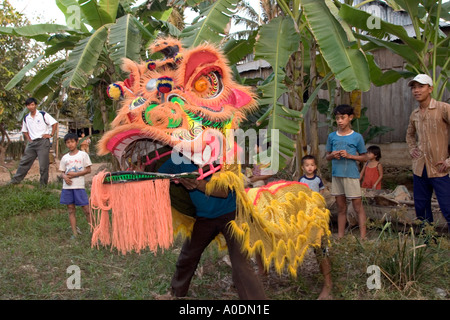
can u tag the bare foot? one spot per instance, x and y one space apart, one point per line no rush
325 294
262 273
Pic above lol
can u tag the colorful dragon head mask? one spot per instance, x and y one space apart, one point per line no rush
186 101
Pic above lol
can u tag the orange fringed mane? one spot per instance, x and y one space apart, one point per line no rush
141 218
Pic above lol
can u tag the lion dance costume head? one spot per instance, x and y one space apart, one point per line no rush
183 105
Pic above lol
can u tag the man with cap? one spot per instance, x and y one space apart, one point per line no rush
430 152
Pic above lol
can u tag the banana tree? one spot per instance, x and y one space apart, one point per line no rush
340 55
426 51
318 50
11 102
106 31
87 52
311 23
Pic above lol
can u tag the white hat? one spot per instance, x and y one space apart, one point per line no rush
421 78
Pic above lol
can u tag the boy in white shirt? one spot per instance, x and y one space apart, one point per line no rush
37 128
74 166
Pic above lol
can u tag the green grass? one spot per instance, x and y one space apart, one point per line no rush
36 250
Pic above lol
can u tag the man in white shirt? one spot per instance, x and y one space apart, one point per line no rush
37 128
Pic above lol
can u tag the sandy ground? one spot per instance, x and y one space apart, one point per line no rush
7 170
373 210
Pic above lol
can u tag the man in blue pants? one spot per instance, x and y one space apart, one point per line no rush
213 213
430 152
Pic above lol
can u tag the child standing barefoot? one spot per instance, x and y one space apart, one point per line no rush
74 166
345 147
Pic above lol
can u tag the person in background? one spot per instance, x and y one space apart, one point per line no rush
430 123
261 172
37 128
74 166
310 176
344 147
84 144
372 172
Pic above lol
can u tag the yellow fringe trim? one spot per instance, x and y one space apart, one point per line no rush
279 222
281 226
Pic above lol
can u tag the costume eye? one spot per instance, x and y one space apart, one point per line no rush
146 113
201 85
208 85
136 103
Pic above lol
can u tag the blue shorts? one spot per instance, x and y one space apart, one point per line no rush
74 196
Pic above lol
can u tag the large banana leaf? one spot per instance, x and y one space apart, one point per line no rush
347 62
358 19
38 32
335 12
51 86
65 45
411 6
380 78
43 75
402 50
83 59
19 76
444 13
277 41
145 33
66 5
96 14
72 13
125 39
236 50
110 7
211 24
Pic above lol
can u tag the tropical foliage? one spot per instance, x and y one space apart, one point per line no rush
12 60
97 36
313 48
310 45
334 53
426 50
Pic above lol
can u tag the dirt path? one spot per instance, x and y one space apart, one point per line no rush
10 168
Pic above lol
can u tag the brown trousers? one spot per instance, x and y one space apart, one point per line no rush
247 283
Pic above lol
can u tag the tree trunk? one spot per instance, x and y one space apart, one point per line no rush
4 143
313 122
2 154
103 108
296 95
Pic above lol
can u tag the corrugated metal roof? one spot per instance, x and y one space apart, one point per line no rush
253 65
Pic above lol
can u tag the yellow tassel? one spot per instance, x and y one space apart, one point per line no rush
279 222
